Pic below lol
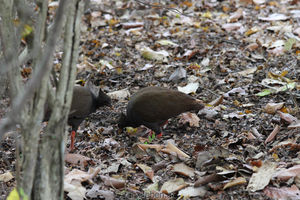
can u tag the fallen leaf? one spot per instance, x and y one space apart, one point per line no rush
113 182
178 74
274 17
273 134
190 118
77 159
287 117
248 71
166 43
238 90
149 54
208 179
173 185
129 25
295 124
95 191
73 180
285 174
271 108
283 193
157 147
193 192
231 26
236 15
172 148
7 176
75 190
17 195
147 170
120 94
217 101
105 63
262 177
235 182
183 169
189 88
146 67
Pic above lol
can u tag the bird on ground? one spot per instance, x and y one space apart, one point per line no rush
153 106
84 102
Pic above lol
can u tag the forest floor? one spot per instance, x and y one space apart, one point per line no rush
241 58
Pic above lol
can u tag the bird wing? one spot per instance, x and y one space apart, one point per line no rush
159 105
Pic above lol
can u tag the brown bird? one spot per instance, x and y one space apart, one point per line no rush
153 106
84 102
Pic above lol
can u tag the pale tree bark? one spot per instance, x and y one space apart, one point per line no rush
41 170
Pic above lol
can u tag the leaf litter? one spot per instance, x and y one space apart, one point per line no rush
239 57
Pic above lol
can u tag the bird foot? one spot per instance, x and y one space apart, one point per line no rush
159 135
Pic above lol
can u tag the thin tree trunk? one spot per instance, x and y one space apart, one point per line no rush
42 163
50 170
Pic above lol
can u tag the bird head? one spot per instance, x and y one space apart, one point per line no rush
103 99
122 123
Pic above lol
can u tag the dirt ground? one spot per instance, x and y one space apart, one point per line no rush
244 57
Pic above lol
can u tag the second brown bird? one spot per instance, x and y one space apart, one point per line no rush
153 106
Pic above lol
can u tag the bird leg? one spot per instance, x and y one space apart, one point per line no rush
73 133
159 135
152 135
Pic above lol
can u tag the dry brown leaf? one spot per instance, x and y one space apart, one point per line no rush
173 185
208 179
147 170
157 147
252 46
231 26
95 191
172 148
286 174
113 182
217 101
235 182
291 143
192 192
129 25
73 180
283 193
190 118
236 15
7 176
295 124
273 134
183 169
271 108
75 190
78 159
262 177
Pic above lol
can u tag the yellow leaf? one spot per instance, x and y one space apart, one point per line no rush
207 15
131 130
276 157
119 70
27 30
13 195
285 72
